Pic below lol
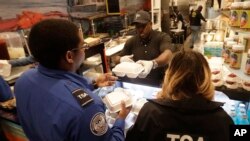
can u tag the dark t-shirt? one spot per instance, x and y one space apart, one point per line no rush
180 18
195 18
149 49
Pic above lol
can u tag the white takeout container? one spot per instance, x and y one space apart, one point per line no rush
132 70
113 101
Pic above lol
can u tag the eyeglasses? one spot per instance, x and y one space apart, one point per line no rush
83 45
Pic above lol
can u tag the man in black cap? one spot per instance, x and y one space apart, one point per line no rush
153 49
195 18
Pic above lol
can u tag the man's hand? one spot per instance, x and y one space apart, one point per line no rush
124 111
147 65
127 58
9 104
106 79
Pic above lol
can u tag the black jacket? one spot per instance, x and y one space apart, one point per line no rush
195 18
192 118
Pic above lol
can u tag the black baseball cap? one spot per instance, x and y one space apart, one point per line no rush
142 17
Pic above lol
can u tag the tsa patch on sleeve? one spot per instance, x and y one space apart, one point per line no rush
98 124
82 97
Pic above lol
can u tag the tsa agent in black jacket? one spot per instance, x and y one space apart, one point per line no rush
184 109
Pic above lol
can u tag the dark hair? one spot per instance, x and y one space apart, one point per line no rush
49 40
188 74
200 7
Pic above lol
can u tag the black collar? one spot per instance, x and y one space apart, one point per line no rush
195 103
147 40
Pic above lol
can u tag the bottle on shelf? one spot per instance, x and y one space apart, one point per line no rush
242 119
236 56
248 113
247 64
227 50
240 106
232 114
242 115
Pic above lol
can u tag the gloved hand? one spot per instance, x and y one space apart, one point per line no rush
127 58
148 65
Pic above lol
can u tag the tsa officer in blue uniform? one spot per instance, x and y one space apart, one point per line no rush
53 102
5 95
5 92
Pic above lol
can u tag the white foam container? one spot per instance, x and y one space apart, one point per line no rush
113 100
110 117
132 70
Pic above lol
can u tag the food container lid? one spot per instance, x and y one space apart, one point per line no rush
113 100
130 69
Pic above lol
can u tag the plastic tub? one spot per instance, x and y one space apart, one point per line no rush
113 101
132 70
14 44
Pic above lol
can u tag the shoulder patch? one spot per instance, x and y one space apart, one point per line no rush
98 124
82 97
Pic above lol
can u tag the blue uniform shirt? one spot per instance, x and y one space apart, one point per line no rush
5 92
55 105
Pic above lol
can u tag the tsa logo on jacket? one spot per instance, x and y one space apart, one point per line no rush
98 124
184 137
82 97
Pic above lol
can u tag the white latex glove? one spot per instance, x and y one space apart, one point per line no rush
148 65
127 58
